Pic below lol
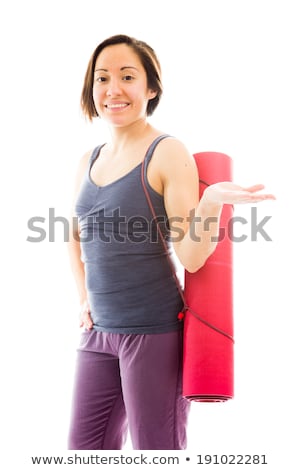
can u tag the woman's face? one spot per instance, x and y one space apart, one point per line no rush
120 90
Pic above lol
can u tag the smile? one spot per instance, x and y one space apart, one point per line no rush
116 106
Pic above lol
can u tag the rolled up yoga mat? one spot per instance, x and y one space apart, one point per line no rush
208 357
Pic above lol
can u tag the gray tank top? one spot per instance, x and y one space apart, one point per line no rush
129 281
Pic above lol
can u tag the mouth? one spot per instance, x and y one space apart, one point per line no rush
116 106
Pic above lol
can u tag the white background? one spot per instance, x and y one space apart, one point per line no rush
231 78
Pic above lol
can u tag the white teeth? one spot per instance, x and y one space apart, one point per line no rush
120 105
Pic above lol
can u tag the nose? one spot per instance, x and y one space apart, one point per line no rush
113 88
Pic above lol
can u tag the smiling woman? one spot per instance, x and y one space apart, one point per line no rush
142 60
120 88
129 367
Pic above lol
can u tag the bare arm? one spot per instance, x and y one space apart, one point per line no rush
77 266
193 237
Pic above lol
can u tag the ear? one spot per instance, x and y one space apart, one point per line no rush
152 94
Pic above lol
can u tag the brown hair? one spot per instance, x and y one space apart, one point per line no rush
148 59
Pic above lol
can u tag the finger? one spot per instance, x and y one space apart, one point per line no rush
85 318
263 197
254 198
88 325
255 188
88 321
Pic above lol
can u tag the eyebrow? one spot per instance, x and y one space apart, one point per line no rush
121 69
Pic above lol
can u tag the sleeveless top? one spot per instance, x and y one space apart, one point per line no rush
129 281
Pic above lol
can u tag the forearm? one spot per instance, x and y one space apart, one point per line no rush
201 238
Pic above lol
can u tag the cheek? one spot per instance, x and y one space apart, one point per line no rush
97 96
140 96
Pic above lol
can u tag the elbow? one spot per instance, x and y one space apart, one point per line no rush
192 264
195 261
194 268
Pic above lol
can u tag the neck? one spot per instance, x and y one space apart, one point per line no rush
122 137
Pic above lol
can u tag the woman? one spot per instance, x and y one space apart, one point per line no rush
129 358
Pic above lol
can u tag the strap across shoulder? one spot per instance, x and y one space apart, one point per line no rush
151 149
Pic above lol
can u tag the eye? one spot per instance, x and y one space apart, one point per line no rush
128 78
100 79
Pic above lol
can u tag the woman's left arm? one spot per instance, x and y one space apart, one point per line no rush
194 225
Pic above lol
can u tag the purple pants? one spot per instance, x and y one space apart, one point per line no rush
129 380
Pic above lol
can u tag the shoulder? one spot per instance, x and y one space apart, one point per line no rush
81 169
173 150
173 158
84 161
83 164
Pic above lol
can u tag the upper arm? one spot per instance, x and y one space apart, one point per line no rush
82 166
81 169
181 185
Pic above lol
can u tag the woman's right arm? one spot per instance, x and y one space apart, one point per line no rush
77 266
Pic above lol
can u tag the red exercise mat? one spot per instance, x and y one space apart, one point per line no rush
208 355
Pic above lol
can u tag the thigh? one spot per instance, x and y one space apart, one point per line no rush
98 419
151 372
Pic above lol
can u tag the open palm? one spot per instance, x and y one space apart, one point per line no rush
230 193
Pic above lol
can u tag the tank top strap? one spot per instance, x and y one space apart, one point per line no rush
95 154
150 151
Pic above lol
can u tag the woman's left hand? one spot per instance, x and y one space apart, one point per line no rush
230 193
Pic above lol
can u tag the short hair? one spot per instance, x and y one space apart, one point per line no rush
148 59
